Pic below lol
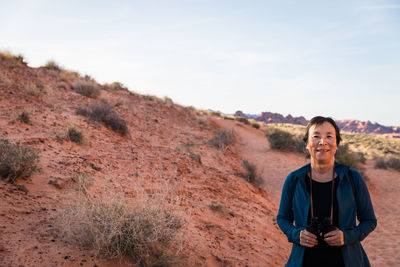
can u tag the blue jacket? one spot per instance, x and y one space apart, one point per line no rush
295 204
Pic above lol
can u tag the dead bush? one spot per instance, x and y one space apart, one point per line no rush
145 234
104 112
17 161
87 88
222 139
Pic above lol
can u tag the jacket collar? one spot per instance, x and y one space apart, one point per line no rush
340 169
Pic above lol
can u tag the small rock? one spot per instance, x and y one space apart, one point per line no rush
55 183
22 188
95 167
66 257
232 213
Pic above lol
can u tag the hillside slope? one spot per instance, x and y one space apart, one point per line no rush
167 147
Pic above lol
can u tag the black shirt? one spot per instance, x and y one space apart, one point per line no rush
323 254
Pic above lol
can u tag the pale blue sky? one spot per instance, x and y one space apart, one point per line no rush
332 58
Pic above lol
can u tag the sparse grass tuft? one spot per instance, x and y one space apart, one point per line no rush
87 88
104 112
74 135
144 233
17 161
256 125
223 139
24 117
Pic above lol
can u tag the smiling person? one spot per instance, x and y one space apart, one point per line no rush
320 203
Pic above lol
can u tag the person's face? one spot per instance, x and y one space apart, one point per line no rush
322 142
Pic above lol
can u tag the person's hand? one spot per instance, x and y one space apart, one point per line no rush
308 239
334 238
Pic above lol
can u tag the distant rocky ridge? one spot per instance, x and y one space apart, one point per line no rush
353 126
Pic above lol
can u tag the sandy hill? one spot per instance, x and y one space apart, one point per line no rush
225 220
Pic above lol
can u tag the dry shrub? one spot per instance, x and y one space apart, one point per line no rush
168 101
243 120
115 86
6 55
87 88
104 112
74 135
281 140
52 65
256 125
222 139
251 171
68 76
144 232
380 164
24 117
351 159
394 163
17 161
83 182
35 90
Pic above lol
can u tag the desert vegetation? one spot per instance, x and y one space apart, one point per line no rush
281 140
74 135
222 139
52 65
102 111
17 161
87 88
114 86
250 171
143 232
34 89
24 117
393 163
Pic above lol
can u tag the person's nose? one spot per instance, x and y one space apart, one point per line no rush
322 141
